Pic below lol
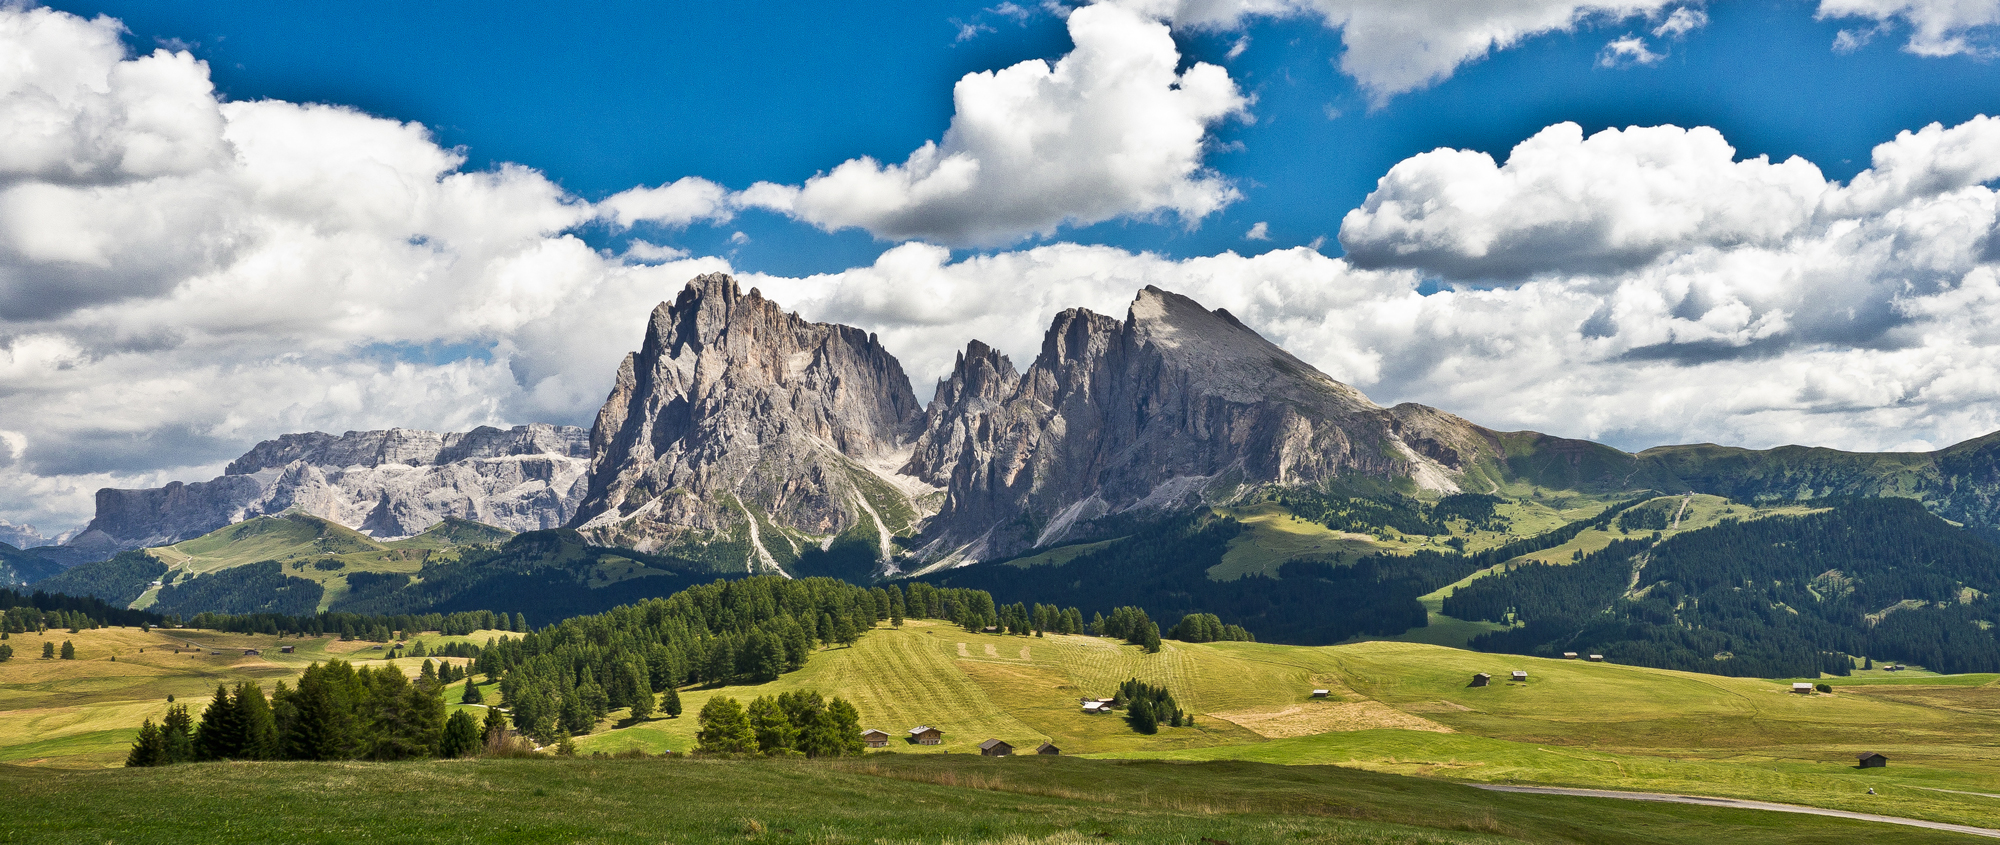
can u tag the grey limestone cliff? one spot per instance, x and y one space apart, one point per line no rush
387 484
1171 407
749 437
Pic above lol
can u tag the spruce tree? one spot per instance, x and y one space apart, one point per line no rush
48 650
472 694
260 727
150 749
494 727
461 736
219 736
1140 714
177 734
724 728
672 705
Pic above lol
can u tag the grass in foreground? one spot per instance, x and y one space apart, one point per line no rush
881 798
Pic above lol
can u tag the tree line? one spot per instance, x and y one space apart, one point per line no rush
337 712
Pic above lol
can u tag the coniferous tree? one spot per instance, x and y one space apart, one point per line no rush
638 694
177 734
471 694
1140 714
772 726
765 656
259 726
48 650
461 736
495 726
219 736
672 705
6 652
150 749
724 728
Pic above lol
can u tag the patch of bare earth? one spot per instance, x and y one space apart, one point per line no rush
1328 717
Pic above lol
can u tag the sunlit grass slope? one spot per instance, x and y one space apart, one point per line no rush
884 798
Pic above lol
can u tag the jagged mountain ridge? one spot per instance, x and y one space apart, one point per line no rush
751 437
386 484
1173 406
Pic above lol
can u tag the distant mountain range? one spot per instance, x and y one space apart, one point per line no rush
741 438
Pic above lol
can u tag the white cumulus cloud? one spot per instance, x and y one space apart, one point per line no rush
1112 129
1937 27
1396 46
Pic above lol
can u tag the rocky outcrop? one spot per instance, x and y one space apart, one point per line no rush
1171 407
22 536
387 484
750 437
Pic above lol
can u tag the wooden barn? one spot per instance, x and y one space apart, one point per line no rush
1047 748
1481 679
926 735
1802 688
1320 693
995 748
1872 760
875 739
1521 675
1569 655
285 649
1597 658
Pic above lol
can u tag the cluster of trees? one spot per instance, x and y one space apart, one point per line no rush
1773 597
792 723
1207 628
356 626
337 712
1379 514
49 650
1147 707
28 613
1130 624
1018 618
569 676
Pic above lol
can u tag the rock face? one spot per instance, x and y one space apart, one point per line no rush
387 484
747 436
1173 406
22 536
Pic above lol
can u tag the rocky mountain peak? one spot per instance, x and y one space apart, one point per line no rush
737 425
1171 407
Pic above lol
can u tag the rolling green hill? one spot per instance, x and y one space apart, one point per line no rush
297 564
1395 708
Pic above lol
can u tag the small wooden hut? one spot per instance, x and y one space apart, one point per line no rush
1481 679
926 735
995 748
1048 748
875 739
1872 760
1521 675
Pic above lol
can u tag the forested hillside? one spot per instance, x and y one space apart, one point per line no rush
1773 597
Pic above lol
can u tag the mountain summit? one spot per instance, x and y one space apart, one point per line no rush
1174 406
748 436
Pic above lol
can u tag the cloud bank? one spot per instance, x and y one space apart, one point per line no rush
181 276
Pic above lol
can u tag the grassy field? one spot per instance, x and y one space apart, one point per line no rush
84 712
314 549
881 798
1396 708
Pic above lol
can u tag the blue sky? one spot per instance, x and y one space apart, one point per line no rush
1636 221
607 96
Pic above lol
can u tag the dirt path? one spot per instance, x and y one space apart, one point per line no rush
1737 804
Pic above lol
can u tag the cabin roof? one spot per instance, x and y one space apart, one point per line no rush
923 729
992 744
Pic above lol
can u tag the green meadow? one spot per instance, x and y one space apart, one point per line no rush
1400 712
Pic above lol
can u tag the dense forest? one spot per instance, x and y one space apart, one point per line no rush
1163 568
1774 597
